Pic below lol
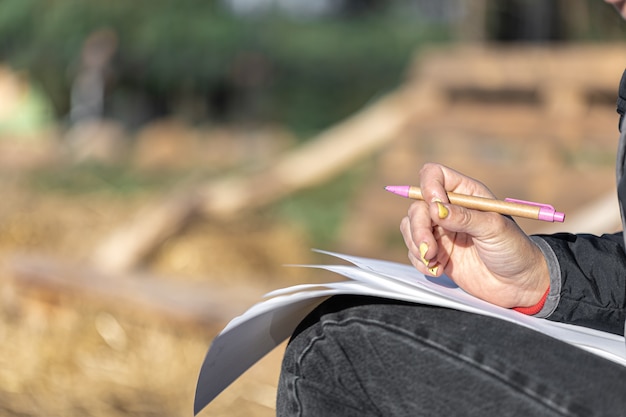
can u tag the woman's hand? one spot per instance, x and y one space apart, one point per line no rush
485 253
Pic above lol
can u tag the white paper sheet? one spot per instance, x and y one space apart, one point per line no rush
249 337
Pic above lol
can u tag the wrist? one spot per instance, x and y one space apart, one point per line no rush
536 308
534 287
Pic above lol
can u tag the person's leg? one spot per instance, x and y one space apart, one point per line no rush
363 356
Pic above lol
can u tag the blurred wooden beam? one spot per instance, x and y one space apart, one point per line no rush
318 160
563 78
169 300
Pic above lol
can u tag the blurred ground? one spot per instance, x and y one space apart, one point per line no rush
67 356
63 355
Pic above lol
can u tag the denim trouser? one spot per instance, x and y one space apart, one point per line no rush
363 356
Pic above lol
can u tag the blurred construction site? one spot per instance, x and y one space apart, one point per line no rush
132 232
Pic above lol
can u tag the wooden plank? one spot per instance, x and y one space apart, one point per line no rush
172 300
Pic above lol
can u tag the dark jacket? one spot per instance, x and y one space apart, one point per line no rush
587 272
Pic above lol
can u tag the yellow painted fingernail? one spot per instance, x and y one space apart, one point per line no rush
423 249
434 270
443 210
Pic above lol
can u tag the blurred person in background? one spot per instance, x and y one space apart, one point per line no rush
365 356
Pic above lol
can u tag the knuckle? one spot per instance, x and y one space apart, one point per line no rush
417 208
498 221
404 223
466 218
427 167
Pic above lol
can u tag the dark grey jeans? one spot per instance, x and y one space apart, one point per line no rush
363 356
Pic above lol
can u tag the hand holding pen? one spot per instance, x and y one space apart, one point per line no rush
508 206
485 253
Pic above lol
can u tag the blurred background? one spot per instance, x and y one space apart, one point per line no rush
160 161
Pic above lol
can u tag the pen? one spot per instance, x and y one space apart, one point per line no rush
508 206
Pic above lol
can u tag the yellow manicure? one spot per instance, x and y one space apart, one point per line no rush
423 249
443 210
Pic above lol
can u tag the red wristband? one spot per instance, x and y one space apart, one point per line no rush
532 310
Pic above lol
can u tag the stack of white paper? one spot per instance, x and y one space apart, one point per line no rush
249 337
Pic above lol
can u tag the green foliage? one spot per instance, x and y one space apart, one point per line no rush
322 210
95 178
331 65
318 71
304 73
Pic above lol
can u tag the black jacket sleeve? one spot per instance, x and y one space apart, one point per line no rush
593 280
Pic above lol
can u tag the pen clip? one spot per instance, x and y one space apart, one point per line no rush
529 203
546 211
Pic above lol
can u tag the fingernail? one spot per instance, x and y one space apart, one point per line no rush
423 249
443 210
434 270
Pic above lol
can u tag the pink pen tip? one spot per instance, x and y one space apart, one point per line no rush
402 190
559 217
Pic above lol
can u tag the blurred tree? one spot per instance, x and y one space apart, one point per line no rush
551 20
199 59
203 60
361 7
526 21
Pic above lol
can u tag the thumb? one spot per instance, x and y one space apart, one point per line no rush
472 222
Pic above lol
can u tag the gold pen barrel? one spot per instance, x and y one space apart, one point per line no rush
485 204
498 206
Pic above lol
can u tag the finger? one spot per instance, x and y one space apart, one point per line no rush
445 244
436 180
433 183
477 224
418 249
405 229
417 229
434 270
